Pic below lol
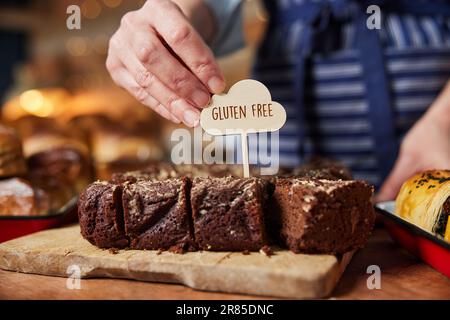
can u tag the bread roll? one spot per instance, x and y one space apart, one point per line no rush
114 145
12 161
65 164
55 152
424 200
19 198
55 193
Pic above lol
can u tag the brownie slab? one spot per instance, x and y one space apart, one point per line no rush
157 215
100 215
162 171
228 213
322 169
322 216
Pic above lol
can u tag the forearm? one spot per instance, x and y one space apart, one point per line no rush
440 109
200 15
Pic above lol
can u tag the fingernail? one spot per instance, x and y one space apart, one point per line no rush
191 118
216 84
200 98
175 119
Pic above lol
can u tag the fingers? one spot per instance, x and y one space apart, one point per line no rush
160 59
145 84
157 59
403 169
123 79
170 23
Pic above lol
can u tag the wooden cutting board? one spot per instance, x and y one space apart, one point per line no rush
284 274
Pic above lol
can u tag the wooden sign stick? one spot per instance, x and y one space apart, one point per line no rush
246 108
245 154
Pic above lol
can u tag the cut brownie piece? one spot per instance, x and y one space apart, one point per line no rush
101 217
228 213
154 172
209 170
157 215
323 216
332 173
320 168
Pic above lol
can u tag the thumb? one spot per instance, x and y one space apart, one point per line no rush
403 169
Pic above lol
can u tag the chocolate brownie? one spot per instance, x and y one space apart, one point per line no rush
100 215
228 213
209 170
319 168
154 172
322 216
157 215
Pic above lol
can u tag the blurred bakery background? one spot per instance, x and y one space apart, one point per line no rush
74 124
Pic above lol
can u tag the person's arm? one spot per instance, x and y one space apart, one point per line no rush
426 146
160 58
201 17
219 22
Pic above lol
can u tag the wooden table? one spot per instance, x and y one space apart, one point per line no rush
402 277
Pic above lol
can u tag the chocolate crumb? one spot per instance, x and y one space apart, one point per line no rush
177 249
113 250
267 250
245 252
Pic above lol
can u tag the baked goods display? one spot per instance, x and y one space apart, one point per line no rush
424 200
12 161
65 164
19 198
58 192
53 150
53 167
143 203
169 209
116 146
60 157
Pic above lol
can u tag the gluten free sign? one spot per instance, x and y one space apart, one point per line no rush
246 108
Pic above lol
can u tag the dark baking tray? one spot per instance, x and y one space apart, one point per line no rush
16 226
426 246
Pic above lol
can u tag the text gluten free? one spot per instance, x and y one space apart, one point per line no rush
256 110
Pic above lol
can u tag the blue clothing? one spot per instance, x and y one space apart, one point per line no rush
230 34
352 93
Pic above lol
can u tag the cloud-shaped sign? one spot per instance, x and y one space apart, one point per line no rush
246 108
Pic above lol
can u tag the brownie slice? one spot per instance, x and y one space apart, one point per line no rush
320 168
322 216
154 172
100 215
228 213
157 215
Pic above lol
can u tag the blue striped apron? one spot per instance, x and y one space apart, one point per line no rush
319 32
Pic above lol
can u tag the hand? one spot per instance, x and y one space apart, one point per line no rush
158 57
426 146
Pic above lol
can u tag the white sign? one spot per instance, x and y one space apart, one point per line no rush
246 108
